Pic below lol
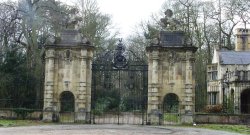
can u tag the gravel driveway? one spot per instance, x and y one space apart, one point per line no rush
107 130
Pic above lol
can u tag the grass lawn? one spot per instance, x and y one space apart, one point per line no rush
244 129
171 117
11 123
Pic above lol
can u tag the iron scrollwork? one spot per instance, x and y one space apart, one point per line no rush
119 59
119 83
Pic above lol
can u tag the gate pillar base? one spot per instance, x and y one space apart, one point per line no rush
155 118
47 116
187 119
80 116
50 116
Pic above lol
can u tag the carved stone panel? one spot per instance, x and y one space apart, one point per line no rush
172 38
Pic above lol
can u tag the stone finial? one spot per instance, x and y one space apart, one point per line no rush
72 22
168 22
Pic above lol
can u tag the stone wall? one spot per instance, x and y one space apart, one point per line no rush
10 114
221 119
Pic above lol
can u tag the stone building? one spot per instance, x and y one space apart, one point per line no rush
229 76
67 76
170 76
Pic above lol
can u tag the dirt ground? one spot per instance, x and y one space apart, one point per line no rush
107 130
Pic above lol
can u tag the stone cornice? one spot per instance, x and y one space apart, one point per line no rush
164 48
65 46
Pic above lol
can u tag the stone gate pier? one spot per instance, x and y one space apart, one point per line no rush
170 77
68 61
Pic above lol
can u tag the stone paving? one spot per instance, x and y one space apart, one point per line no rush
107 130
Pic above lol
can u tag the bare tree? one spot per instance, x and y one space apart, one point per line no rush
96 26
8 21
226 16
243 11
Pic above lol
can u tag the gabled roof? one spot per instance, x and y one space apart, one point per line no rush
234 57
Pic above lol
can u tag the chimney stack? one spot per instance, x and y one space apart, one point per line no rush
242 39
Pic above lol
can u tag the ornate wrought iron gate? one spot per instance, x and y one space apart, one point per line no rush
119 87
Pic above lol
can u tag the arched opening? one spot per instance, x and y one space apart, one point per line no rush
67 101
245 101
171 103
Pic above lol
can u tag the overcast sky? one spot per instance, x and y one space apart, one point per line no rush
126 14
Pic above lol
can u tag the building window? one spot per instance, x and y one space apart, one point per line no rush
245 78
214 75
243 75
212 98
